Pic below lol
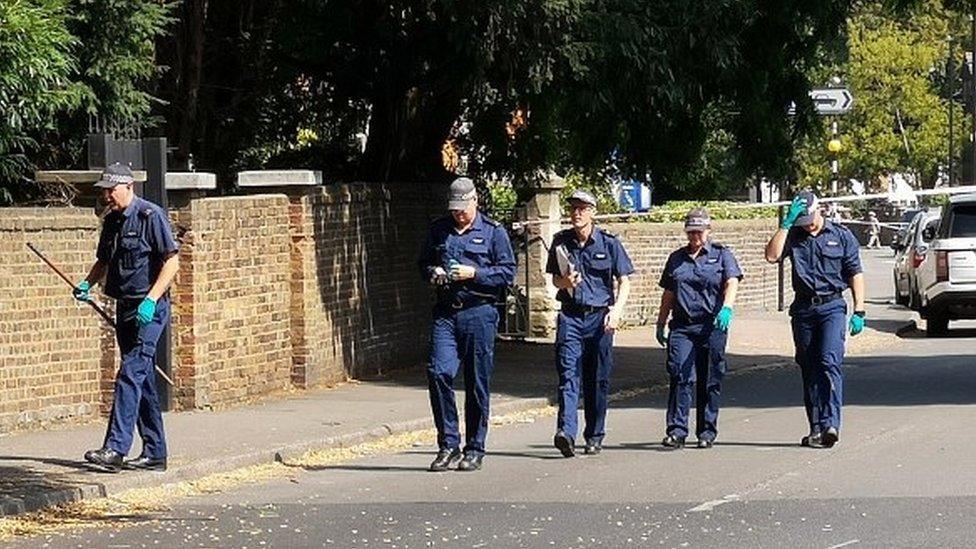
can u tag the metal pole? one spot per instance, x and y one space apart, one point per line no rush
951 80
834 162
780 274
972 133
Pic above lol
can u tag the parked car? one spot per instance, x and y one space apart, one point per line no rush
910 251
904 220
947 276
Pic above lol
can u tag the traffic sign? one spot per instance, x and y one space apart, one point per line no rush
829 101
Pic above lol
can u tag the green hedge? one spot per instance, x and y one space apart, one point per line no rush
675 211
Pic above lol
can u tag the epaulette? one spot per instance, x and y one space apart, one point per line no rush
146 212
718 245
608 233
490 221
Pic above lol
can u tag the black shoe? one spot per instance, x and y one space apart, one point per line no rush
445 458
813 440
673 442
471 462
830 437
564 444
144 463
705 443
104 459
593 447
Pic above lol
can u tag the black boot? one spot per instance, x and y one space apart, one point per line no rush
104 459
144 463
830 437
471 462
565 444
673 442
445 459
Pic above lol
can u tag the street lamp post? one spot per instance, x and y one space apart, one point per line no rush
972 135
951 82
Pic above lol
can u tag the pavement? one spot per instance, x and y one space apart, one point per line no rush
43 468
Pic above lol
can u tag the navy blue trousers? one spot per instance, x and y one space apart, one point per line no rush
584 359
696 357
462 339
136 399
818 334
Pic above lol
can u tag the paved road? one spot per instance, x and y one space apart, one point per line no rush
902 475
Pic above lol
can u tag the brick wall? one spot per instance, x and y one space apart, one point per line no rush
300 287
358 305
232 299
55 355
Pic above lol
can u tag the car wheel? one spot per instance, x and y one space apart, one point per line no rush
937 326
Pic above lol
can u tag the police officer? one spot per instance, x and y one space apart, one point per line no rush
468 257
584 262
137 255
700 282
825 262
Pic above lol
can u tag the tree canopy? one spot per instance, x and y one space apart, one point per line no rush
692 95
896 69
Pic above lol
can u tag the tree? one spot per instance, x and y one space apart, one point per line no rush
648 83
899 121
35 85
61 63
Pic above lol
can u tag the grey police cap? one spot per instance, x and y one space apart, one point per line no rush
115 174
812 204
462 193
583 196
697 220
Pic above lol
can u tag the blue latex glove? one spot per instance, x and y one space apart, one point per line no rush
81 291
450 269
797 208
146 311
662 336
724 318
857 323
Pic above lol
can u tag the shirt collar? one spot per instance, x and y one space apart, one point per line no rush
479 222
706 251
131 208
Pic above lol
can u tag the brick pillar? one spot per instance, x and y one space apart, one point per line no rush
543 212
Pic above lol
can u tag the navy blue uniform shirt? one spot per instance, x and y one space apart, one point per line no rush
599 261
699 283
822 264
485 246
134 243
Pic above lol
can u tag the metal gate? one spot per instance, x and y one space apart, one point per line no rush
513 312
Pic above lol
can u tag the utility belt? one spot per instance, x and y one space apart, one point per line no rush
576 309
815 299
457 304
682 318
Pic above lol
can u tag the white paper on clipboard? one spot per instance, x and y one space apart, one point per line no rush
566 267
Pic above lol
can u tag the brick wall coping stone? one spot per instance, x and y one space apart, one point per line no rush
279 178
179 181
77 176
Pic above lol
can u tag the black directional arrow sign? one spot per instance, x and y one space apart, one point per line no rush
832 101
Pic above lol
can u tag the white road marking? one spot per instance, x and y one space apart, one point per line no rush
845 544
709 505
